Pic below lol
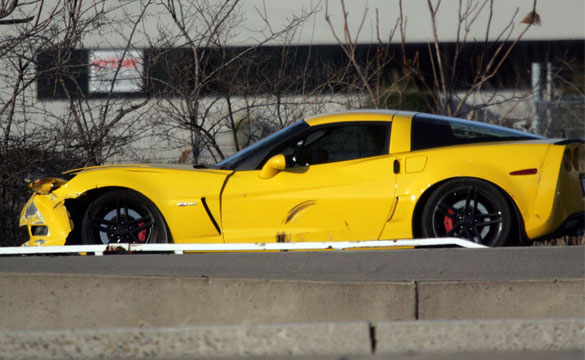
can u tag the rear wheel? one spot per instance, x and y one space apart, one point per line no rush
122 216
469 209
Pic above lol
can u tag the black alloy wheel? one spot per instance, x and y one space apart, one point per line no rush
470 209
123 216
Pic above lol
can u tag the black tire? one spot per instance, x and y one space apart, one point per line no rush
469 209
122 216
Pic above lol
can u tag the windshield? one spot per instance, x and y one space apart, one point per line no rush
249 157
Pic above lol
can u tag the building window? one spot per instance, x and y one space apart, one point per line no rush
62 73
169 72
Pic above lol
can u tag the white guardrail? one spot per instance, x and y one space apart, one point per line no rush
100 250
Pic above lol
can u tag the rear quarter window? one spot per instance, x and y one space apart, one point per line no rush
431 131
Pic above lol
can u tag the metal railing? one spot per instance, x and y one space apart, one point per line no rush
99 250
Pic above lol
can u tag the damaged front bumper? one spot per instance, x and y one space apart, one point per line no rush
46 221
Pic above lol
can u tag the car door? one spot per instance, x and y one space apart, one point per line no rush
338 185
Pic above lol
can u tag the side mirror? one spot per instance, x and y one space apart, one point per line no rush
273 166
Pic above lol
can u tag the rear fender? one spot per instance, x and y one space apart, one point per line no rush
471 161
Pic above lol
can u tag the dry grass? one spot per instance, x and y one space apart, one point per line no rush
562 241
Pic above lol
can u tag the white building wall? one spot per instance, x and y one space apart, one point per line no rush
560 20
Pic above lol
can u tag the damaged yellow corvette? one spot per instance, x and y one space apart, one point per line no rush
351 176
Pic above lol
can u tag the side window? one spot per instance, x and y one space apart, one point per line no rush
338 143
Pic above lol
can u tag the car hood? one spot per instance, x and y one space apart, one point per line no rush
135 167
172 180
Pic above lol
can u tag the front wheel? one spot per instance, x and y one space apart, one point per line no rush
122 216
469 209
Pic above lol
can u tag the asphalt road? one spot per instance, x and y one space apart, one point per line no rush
387 265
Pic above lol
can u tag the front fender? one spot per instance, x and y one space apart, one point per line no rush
177 193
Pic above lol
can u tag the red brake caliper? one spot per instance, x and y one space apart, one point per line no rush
142 233
448 221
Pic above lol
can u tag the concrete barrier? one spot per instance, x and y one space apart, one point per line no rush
503 299
44 301
50 316
480 335
188 342
38 301
355 339
66 301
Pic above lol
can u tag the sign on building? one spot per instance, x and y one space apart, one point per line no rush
115 71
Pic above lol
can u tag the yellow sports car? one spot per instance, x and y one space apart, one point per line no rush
352 176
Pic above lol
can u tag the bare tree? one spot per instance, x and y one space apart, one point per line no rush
47 134
25 27
204 106
446 88
563 104
100 127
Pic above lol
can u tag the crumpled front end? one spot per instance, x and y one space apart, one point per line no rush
46 220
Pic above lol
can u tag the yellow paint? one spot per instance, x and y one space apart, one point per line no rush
348 201
341 201
400 136
164 187
556 199
51 213
350 117
533 195
415 164
273 166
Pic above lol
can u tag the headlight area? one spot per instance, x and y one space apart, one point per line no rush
46 220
